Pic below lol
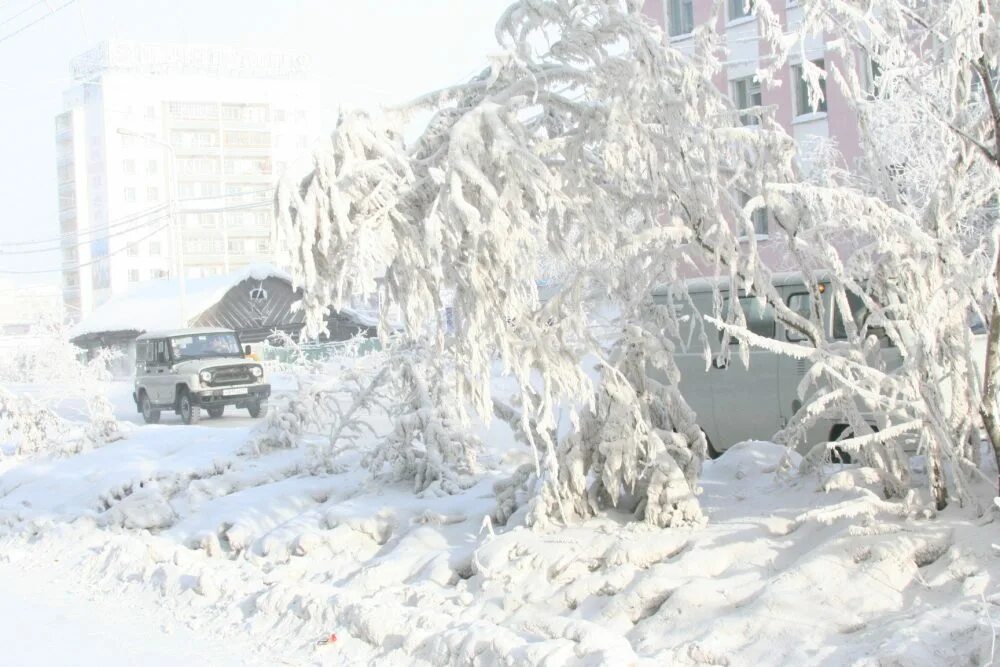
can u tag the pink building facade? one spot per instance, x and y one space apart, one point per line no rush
833 122
814 129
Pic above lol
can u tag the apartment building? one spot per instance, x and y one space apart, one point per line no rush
167 156
831 121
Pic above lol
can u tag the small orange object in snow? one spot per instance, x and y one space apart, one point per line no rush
328 640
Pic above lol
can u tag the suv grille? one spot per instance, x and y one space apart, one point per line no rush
231 375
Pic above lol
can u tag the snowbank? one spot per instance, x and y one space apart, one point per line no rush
788 570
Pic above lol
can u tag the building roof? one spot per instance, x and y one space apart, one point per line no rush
155 305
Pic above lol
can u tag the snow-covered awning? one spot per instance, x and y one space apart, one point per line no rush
156 305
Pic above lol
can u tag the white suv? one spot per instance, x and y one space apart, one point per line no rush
189 369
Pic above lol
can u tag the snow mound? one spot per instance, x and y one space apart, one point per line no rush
789 569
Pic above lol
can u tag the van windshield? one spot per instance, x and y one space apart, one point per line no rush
197 346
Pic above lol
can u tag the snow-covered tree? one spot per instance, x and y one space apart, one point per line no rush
912 235
586 145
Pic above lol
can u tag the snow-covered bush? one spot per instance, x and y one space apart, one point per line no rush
586 145
51 362
27 426
429 443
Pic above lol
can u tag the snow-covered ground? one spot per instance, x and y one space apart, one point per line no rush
178 544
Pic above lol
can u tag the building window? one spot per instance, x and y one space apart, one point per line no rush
154 247
193 110
263 245
129 194
128 167
133 250
158 273
236 246
681 17
133 275
152 167
208 220
152 194
746 95
802 105
209 189
740 8
279 115
300 115
758 218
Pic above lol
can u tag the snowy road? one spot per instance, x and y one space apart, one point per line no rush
44 622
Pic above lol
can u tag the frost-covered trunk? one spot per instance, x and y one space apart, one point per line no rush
639 449
990 403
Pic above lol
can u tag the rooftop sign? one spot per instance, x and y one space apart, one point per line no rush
189 59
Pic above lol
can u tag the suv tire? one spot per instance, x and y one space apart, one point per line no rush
216 412
257 409
150 415
189 412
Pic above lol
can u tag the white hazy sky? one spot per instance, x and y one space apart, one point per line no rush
365 53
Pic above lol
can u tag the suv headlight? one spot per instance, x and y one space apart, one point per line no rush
257 371
205 376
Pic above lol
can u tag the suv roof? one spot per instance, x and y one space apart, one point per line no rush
170 333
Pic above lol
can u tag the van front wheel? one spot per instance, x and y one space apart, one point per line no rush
149 414
712 453
190 413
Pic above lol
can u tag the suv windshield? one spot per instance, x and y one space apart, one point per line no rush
197 346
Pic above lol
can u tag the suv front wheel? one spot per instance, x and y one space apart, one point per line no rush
256 408
150 415
189 412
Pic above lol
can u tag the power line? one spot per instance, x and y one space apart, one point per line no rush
22 12
136 227
94 261
134 216
124 220
38 20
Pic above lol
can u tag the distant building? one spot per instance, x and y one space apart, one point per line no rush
232 119
254 302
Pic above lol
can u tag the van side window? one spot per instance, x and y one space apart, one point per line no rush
798 302
859 313
160 352
141 354
760 317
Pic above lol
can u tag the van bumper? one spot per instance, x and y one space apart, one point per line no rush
210 398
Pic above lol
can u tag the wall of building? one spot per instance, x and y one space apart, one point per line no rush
747 52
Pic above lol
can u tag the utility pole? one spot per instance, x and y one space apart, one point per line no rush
177 233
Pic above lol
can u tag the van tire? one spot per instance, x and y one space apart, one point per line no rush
712 453
189 412
256 408
150 415
838 455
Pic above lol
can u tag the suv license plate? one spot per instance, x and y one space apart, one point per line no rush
234 392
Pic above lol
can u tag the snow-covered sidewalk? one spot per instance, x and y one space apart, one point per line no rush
45 621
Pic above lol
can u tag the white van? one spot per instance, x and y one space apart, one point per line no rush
734 402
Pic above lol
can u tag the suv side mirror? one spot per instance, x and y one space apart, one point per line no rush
246 350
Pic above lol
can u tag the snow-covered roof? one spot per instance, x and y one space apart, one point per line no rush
156 304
